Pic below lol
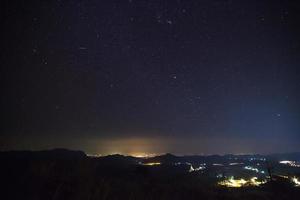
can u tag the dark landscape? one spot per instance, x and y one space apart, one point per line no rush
64 174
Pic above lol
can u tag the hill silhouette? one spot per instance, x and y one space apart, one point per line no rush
65 174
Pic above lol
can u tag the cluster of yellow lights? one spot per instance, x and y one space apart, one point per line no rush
231 182
152 163
143 155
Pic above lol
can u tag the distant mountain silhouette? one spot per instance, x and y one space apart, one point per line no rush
170 158
119 159
167 158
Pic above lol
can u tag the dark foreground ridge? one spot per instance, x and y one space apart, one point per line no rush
64 174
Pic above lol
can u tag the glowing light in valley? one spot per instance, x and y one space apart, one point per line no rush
255 182
231 182
217 164
152 163
296 181
286 162
254 169
290 163
192 169
251 168
232 164
283 176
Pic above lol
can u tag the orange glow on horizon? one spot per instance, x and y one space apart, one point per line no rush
152 163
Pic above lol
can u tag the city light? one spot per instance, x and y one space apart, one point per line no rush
296 181
286 162
152 163
192 169
254 169
231 182
290 163
255 182
143 155
217 164
232 164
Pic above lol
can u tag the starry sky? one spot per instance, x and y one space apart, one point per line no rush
139 76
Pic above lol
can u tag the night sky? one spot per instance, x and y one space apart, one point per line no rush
137 76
